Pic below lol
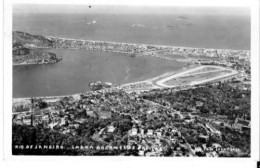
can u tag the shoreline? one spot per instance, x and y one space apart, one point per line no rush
30 64
44 97
149 80
117 86
153 81
154 45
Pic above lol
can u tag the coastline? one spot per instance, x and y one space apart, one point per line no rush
44 97
153 81
153 45
15 64
38 63
128 97
164 48
117 86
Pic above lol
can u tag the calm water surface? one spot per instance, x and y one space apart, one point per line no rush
80 67
203 30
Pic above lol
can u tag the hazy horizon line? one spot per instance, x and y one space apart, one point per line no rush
120 9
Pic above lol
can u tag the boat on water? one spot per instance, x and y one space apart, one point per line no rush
92 22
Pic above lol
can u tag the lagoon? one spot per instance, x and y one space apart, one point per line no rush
80 67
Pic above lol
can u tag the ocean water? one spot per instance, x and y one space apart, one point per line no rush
78 67
200 30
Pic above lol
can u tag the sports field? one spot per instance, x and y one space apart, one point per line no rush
196 75
191 76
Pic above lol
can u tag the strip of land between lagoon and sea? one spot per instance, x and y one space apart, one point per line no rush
135 44
162 51
193 56
211 92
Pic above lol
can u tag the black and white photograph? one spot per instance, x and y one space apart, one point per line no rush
132 80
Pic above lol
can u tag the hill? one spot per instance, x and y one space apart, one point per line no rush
25 49
25 39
